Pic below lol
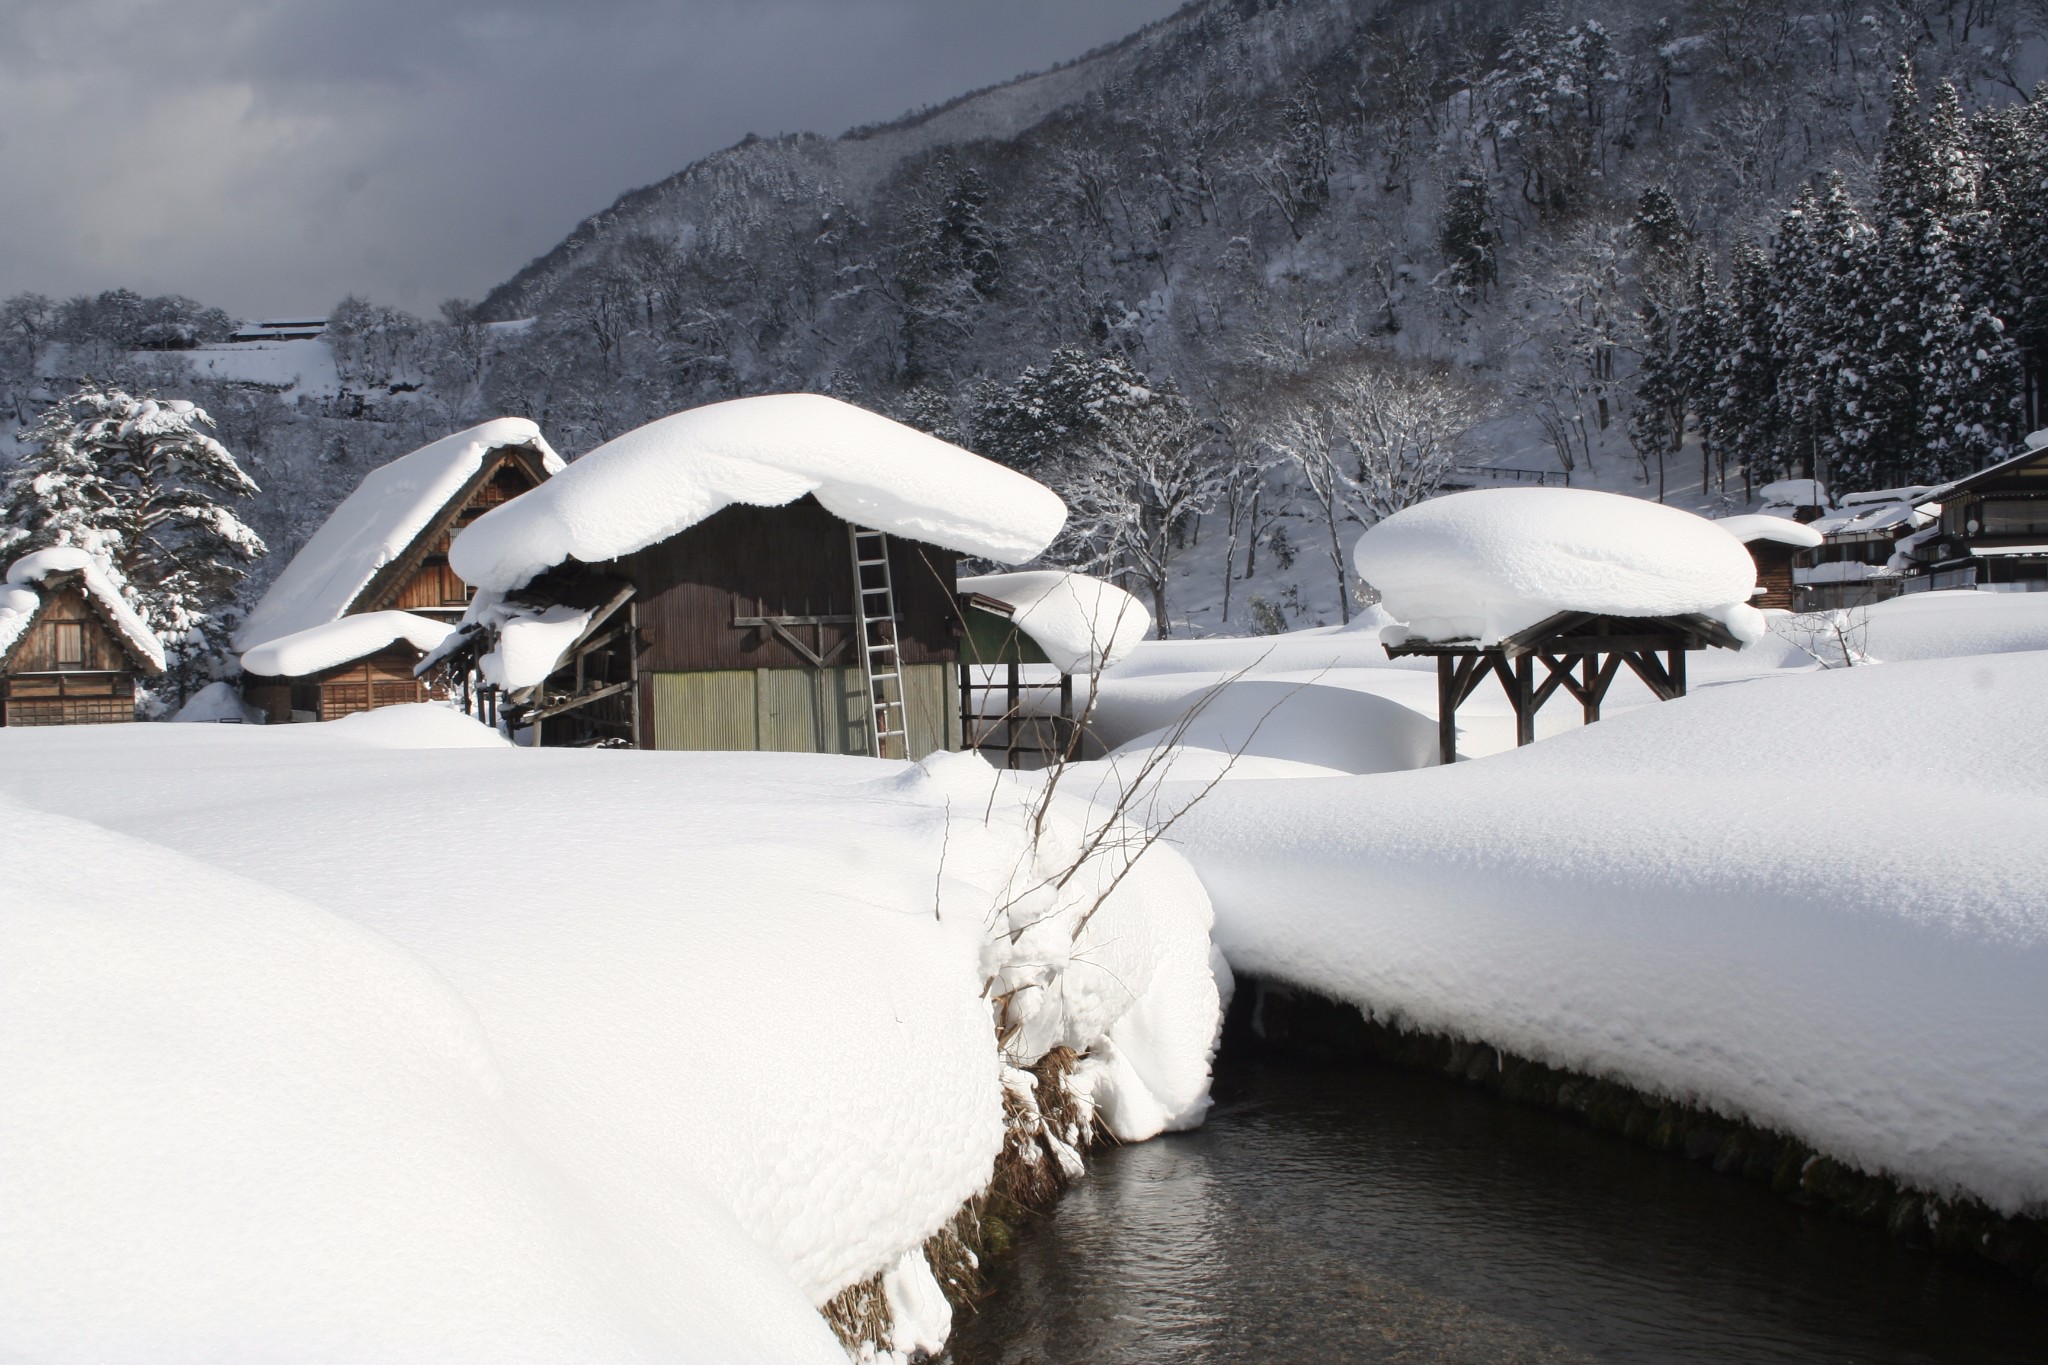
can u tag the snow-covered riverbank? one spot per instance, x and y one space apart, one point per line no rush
383 1040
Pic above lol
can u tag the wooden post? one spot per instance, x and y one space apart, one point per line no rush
1446 711
967 706
1677 670
1589 675
1525 700
1015 699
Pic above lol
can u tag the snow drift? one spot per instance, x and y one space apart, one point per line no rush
1652 898
1485 564
667 476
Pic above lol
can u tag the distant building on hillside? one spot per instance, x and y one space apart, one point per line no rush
280 329
775 573
71 650
342 627
1862 557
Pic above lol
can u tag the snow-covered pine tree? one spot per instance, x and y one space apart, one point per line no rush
138 482
1944 385
1747 420
1699 343
1466 234
1058 408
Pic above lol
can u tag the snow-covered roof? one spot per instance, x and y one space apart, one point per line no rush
376 524
1783 530
669 475
1083 624
19 601
1862 517
1794 493
1485 564
2032 453
1913 493
318 648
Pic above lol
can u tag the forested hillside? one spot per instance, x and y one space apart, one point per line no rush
1269 269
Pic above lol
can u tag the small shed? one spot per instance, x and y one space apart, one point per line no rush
1581 583
1774 543
771 573
1027 635
71 649
383 552
1993 526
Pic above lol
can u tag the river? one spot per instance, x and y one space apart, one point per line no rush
1360 1212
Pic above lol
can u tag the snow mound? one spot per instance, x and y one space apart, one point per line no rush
1305 728
29 572
17 608
375 524
416 725
241 1128
1794 493
667 476
217 702
1485 564
1783 530
322 647
1936 625
1639 899
1083 624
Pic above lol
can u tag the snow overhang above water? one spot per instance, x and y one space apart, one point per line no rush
667 476
1485 564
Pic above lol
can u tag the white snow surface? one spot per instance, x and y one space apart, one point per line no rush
215 703
531 641
334 643
28 572
1791 493
1083 624
375 524
1487 563
1935 625
640 1059
1641 899
667 476
1783 530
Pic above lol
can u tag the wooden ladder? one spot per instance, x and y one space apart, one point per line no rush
881 662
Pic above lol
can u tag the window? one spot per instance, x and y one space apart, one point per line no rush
2013 517
70 644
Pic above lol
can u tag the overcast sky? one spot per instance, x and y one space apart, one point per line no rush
270 156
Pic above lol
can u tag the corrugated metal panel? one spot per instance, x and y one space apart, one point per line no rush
708 710
931 696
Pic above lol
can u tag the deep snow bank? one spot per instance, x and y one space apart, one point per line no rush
688 1042
1813 902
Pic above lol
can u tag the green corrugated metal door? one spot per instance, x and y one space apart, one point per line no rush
708 710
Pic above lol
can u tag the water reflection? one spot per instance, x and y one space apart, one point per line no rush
1369 1214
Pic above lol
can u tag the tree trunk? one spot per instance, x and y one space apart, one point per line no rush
1337 563
1158 586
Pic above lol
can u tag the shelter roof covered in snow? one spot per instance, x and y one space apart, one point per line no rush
1487 564
377 524
669 475
19 599
322 647
1783 530
1083 624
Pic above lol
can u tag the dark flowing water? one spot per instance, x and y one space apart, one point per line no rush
1364 1213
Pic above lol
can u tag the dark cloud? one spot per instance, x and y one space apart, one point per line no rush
273 155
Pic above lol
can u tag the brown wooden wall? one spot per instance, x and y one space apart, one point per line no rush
67 669
1773 573
383 679
778 561
433 586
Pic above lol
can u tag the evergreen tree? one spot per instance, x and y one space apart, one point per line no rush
1058 409
1746 420
137 482
1699 343
1467 236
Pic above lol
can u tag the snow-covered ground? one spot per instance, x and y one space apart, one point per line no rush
385 1040
1811 898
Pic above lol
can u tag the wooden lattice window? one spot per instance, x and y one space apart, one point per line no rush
70 644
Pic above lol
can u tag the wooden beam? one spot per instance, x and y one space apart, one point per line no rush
1525 699
1448 694
573 702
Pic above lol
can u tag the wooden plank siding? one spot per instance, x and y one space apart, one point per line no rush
778 561
419 580
67 668
1773 573
793 710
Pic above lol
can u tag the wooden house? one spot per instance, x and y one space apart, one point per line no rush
1025 638
383 553
775 573
1992 530
1775 543
71 650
